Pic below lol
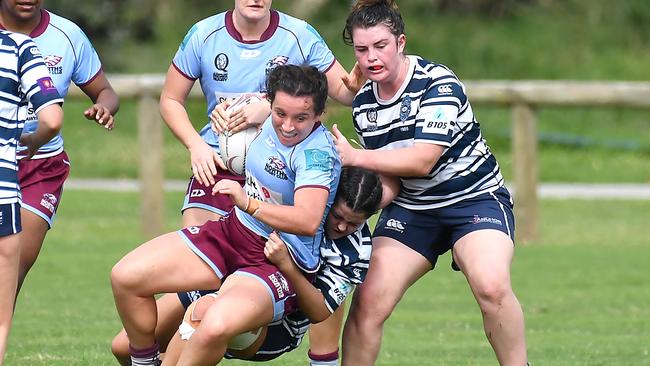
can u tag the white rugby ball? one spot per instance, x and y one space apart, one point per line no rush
233 147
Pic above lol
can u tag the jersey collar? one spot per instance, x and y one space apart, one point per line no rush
273 25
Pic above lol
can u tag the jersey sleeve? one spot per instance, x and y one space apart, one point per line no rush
35 80
315 165
87 64
320 55
439 110
188 57
346 265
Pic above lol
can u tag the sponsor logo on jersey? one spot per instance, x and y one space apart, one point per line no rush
317 159
34 51
486 220
49 202
193 229
248 54
197 193
46 85
275 166
445 89
371 115
221 62
395 225
275 62
405 108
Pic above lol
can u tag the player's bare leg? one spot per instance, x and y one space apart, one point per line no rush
31 241
485 256
324 339
9 257
197 216
243 304
164 264
375 299
170 314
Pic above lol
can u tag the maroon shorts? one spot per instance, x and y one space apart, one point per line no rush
200 196
41 184
229 247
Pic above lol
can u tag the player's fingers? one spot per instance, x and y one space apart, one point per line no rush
336 133
197 174
107 121
210 170
217 160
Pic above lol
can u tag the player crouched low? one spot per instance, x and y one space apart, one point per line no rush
345 255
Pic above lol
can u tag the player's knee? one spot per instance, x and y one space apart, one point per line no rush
120 347
369 307
122 279
491 293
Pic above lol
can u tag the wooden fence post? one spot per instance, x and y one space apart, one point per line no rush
150 140
525 165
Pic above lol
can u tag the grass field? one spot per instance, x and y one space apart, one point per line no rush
584 289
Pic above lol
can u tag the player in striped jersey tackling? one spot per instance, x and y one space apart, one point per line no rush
415 121
345 253
23 79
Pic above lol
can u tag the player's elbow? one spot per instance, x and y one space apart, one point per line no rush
51 117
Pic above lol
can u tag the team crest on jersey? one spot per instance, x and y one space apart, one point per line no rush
405 108
275 166
221 63
275 62
53 63
371 116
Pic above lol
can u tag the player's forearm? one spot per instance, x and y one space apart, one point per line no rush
310 299
290 219
109 99
50 121
178 121
413 161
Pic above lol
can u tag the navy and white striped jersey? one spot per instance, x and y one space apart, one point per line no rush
24 79
430 107
345 265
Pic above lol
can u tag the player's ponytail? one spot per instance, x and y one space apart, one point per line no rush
368 13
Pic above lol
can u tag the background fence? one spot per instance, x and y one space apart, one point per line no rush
523 97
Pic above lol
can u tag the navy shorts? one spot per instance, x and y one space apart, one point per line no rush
10 219
434 232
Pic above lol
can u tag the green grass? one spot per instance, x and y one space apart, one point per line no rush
583 288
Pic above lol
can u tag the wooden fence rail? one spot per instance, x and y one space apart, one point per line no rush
523 97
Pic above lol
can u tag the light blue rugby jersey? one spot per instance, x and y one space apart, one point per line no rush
430 107
70 57
274 172
23 78
227 66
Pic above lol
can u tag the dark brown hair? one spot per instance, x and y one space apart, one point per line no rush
368 13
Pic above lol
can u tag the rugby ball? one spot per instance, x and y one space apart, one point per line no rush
233 146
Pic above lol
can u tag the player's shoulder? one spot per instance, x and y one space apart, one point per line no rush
13 38
211 23
298 26
65 25
431 69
